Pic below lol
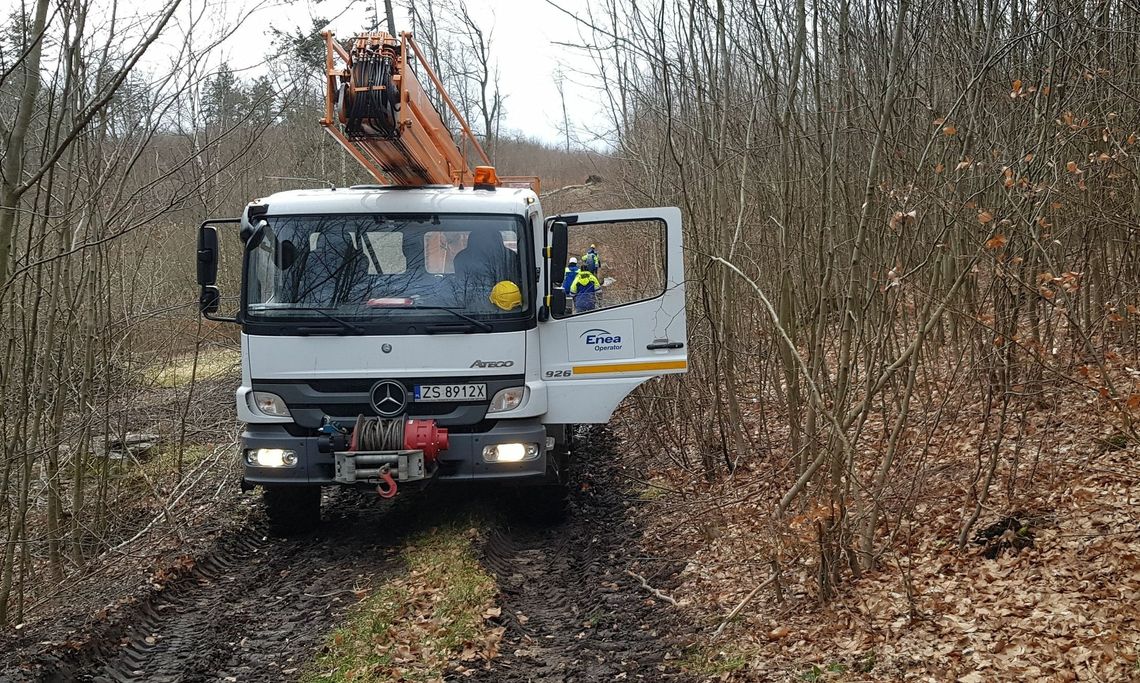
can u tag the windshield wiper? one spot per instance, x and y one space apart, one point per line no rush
346 325
477 323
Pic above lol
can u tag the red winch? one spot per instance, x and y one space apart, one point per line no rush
380 447
426 436
378 434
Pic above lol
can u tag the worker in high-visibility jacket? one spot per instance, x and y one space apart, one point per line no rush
591 260
585 289
570 274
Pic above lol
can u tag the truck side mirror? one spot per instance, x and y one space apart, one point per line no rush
209 300
557 302
207 255
209 297
558 248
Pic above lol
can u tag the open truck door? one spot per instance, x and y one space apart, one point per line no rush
596 349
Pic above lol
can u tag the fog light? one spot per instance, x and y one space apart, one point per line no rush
511 452
270 457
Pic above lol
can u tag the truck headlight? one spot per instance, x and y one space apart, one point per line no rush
270 457
511 452
270 404
507 399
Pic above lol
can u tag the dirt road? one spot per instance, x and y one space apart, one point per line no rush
256 608
572 611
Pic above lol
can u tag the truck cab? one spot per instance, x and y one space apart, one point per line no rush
392 335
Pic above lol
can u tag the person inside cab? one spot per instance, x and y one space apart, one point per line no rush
484 263
585 290
591 261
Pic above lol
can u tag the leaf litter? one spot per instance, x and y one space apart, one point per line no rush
1047 591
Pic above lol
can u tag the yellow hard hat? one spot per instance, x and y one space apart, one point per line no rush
506 295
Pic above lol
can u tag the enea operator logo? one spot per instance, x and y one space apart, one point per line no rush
602 340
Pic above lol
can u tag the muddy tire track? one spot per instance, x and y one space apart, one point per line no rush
257 608
572 612
253 609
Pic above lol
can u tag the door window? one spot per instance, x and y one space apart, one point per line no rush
614 264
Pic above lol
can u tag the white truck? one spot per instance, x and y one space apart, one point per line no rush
405 333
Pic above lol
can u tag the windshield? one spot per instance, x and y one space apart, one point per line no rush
369 266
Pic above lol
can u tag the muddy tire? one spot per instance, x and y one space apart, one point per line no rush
292 509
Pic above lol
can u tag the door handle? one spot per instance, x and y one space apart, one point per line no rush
665 344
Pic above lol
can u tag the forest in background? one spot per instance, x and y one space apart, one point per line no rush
912 231
108 169
912 255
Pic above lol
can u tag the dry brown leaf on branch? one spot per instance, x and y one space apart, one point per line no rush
900 219
893 280
985 217
996 242
964 163
949 130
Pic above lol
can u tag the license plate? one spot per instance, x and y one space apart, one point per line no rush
451 392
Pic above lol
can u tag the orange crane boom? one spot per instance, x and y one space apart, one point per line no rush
377 109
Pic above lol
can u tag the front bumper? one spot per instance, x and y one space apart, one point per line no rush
462 461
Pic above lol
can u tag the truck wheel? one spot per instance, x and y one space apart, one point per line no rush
292 509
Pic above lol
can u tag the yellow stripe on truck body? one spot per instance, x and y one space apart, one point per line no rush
631 367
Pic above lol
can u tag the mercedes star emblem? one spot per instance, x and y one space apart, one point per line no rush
386 348
389 398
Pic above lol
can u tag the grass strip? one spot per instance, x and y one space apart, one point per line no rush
212 364
414 627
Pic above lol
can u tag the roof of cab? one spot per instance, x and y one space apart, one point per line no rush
378 199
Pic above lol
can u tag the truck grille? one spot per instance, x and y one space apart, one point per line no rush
344 399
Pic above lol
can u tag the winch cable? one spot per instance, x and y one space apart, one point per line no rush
378 434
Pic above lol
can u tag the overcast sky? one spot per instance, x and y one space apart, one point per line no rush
523 35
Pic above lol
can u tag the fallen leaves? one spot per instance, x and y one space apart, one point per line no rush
416 626
1063 604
